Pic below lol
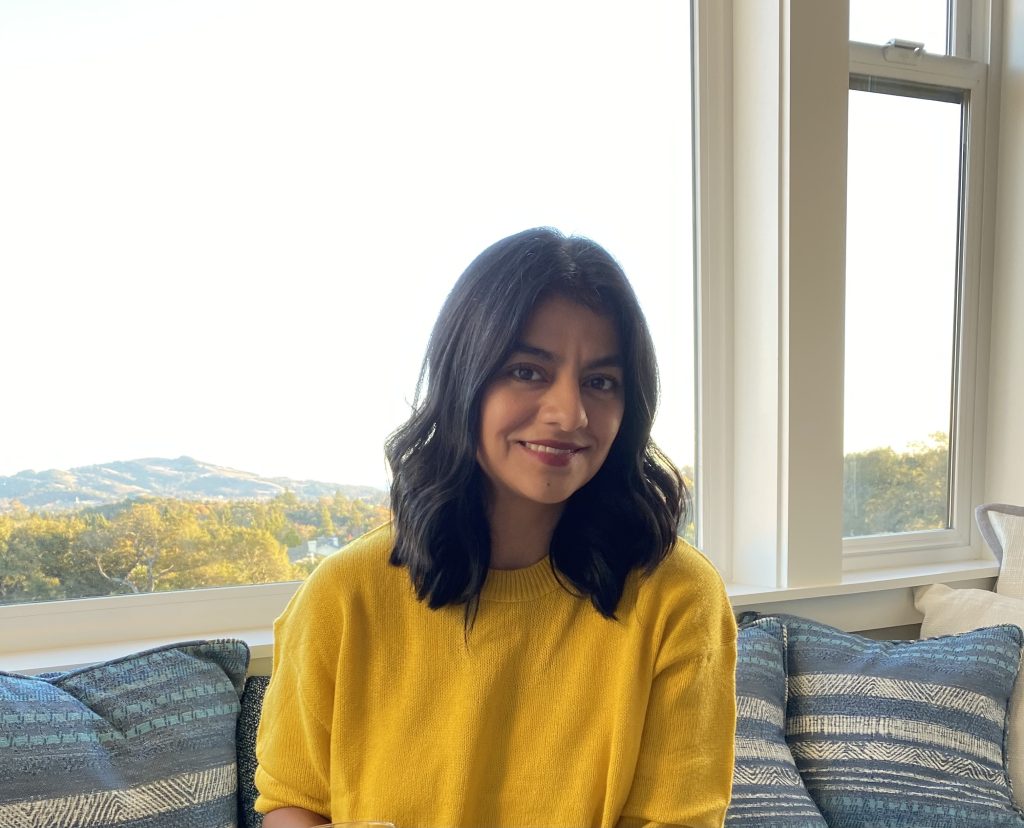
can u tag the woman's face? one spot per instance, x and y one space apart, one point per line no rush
550 416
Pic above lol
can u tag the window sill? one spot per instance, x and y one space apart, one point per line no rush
260 641
67 634
863 600
868 580
867 599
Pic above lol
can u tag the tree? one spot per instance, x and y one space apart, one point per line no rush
21 545
326 523
244 555
147 546
886 492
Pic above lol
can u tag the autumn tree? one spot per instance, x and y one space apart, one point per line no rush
22 545
148 546
887 492
326 521
244 555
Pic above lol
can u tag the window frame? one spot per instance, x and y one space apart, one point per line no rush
52 635
966 455
771 191
748 81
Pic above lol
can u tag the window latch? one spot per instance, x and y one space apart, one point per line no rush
902 51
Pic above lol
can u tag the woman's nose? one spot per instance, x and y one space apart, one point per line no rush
563 406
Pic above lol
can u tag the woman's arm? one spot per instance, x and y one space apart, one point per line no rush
293 818
293 747
684 769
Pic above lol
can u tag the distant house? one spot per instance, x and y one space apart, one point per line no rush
313 550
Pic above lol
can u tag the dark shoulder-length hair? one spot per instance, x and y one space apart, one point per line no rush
625 518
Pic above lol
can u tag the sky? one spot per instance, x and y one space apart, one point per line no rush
902 191
228 226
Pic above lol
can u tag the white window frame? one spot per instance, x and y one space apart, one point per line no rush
771 84
771 195
771 198
960 541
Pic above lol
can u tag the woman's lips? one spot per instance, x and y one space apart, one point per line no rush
552 453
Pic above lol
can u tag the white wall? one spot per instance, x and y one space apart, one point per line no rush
1005 452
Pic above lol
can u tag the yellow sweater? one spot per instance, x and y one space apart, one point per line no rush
549 715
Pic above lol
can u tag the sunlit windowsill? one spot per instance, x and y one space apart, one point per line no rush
744 596
878 602
260 643
865 599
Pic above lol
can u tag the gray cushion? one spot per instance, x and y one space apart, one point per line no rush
248 722
145 740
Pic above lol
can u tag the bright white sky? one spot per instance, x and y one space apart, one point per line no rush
228 226
902 191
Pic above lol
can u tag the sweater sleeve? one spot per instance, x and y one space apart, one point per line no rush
293 740
685 766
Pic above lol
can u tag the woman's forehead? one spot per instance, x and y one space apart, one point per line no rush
558 325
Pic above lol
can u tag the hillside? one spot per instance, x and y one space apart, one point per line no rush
183 478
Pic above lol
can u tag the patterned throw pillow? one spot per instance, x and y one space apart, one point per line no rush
948 611
248 722
766 791
145 740
903 733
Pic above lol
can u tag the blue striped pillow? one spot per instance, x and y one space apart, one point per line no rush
766 791
146 740
903 733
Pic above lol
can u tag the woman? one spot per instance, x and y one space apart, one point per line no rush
528 642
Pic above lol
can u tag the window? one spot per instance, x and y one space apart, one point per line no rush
916 127
229 227
902 281
775 124
772 89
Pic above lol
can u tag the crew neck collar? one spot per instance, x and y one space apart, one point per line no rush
523 584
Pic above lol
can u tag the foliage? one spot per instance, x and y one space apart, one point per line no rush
888 492
160 544
688 531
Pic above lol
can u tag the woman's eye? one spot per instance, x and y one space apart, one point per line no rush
524 373
602 383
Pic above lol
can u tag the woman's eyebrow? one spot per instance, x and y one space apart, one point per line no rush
610 361
532 350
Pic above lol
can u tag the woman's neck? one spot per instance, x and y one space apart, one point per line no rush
521 531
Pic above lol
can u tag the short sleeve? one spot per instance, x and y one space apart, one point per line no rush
293 742
684 771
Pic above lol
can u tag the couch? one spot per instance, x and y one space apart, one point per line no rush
833 729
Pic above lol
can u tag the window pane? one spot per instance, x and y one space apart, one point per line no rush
901 288
229 227
879 21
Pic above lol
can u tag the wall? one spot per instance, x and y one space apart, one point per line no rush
1005 442
261 666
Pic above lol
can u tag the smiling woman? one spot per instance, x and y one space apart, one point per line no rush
536 284
533 551
546 426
